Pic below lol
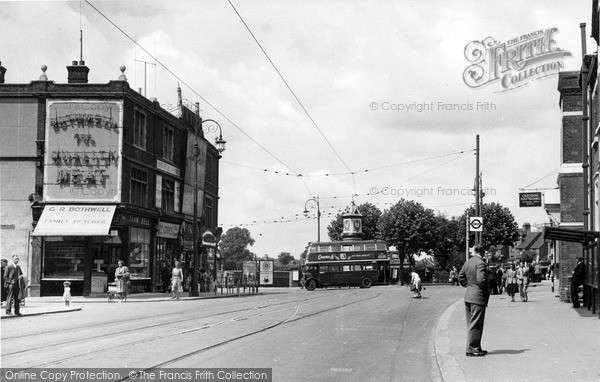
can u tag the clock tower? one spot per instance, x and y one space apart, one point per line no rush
352 223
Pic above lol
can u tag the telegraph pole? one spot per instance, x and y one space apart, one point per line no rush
477 189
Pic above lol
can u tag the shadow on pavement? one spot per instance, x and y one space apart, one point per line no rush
494 352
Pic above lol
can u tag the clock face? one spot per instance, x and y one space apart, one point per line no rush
346 224
357 225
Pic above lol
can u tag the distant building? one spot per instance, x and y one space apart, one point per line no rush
96 173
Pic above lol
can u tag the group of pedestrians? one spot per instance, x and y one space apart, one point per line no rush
517 279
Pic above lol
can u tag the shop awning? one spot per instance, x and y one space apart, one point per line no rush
75 220
570 234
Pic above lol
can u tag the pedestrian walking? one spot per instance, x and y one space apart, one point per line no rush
577 280
511 282
537 272
67 293
176 280
415 284
13 277
473 276
453 276
501 280
122 277
3 284
492 283
523 280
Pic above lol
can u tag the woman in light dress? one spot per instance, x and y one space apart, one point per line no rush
176 280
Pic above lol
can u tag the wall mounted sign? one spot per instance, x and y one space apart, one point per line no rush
530 199
83 150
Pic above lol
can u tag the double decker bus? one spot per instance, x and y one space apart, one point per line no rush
346 263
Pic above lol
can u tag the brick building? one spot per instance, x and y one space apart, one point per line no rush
570 177
578 228
97 173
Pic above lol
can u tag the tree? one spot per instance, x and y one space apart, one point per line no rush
234 249
285 258
409 227
499 226
371 215
447 242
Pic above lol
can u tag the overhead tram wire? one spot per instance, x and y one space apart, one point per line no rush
339 210
191 89
539 180
344 173
431 169
293 93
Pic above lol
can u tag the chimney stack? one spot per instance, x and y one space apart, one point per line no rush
2 71
78 73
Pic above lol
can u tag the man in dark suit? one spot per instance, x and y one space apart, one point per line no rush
473 276
12 278
577 280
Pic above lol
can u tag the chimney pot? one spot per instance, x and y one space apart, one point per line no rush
74 63
78 74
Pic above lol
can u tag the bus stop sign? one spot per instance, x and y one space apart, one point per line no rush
476 224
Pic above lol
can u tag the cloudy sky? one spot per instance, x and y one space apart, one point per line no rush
349 64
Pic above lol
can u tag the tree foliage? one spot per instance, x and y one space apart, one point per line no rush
234 247
285 258
371 215
446 242
499 226
409 227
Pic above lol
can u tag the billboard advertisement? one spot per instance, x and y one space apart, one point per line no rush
83 150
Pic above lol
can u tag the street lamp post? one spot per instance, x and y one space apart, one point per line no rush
316 200
220 145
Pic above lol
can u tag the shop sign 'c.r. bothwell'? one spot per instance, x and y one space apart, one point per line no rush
514 63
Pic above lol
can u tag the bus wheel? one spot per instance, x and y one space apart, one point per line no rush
366 282
311 285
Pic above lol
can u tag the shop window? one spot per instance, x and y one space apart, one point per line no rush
139 256
139 129
64 259
168 143
166 255
139 187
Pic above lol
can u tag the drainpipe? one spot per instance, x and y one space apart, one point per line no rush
584 130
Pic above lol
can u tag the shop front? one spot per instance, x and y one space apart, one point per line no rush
167 251
136 232
71 237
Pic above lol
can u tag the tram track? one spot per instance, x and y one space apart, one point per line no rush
166 320
245 315
293 318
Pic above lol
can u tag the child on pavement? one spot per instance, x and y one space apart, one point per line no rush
67 293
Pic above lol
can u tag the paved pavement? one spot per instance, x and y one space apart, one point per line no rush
543 339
